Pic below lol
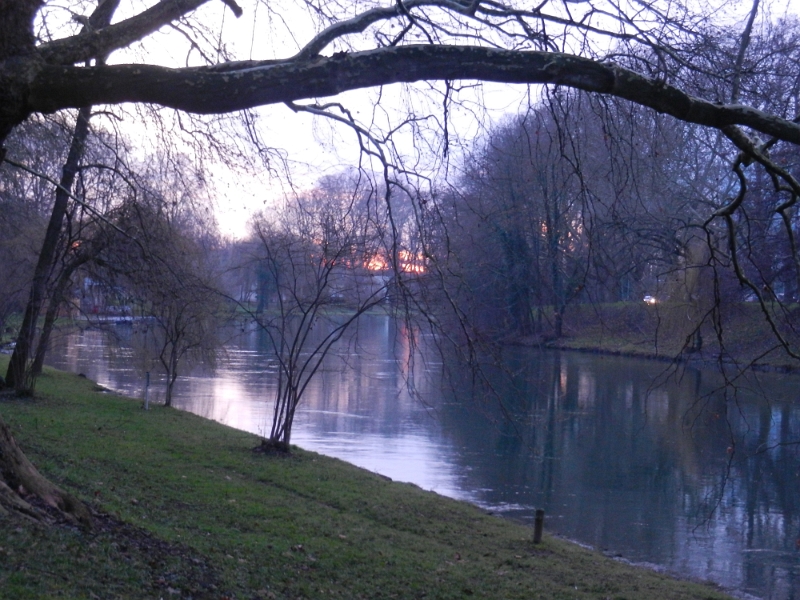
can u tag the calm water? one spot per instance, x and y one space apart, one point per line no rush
703 483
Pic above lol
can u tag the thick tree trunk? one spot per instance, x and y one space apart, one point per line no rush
16 40
20 481
19 375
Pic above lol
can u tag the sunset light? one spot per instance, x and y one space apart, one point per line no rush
409 263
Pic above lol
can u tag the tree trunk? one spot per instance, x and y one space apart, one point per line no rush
19 375
558 322
558 286
172 375
47 327
56 300
289 422
20 481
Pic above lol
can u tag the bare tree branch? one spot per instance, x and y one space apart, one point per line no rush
81 48
239 85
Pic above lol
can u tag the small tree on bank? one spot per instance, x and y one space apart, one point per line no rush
320 257
162 257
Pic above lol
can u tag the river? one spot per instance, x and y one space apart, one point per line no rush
676 471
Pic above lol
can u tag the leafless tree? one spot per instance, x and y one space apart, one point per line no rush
327 265
161 255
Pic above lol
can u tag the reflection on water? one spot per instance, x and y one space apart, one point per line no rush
704 483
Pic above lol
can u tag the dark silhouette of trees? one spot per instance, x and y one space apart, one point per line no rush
576 201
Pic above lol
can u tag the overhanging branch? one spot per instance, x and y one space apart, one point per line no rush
240 85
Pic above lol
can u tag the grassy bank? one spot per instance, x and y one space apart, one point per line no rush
185 509
661 330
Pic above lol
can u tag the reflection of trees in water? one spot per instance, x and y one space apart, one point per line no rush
766 483
643 470
366 375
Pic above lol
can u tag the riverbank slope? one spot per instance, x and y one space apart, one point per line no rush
185 509
740 336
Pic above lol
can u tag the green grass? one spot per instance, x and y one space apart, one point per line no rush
193 512
660 331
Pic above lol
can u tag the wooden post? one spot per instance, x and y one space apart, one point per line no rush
538 525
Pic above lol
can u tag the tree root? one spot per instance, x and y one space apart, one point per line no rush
21 485
268 446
